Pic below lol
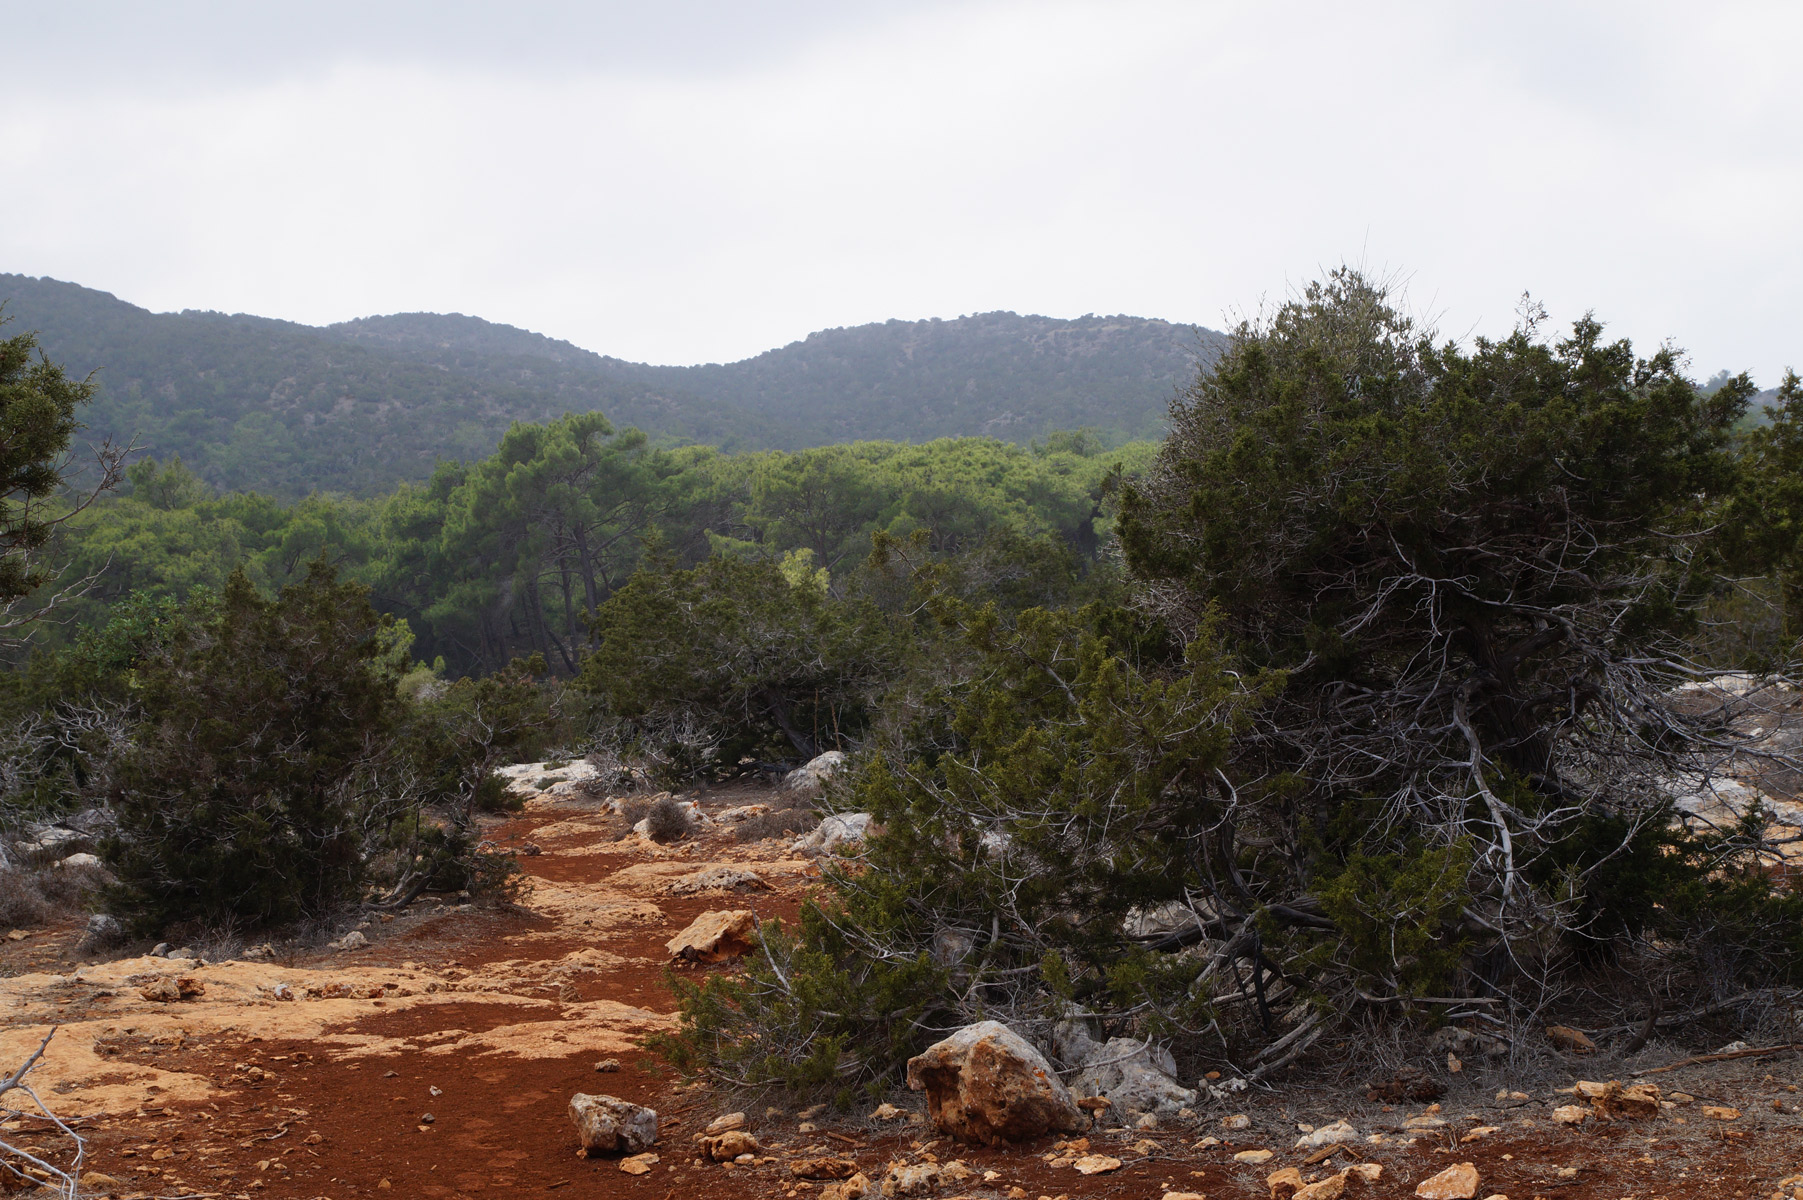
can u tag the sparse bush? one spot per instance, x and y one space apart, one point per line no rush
669 821
37 897
781 823
22 905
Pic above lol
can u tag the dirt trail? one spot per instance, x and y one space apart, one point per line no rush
314 1076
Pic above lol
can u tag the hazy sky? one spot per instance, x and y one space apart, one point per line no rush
680 182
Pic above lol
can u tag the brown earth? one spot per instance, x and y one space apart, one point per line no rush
240 1093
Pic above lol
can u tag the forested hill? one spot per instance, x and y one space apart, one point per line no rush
284 408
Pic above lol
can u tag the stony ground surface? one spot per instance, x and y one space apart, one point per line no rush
439 1059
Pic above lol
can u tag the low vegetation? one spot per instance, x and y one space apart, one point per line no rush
1381 693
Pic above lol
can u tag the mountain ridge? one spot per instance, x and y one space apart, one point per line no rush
260 403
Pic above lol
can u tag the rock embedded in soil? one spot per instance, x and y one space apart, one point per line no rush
856 1188
725 1122
986 1083
1284 1183
1331 1188
1256 1158
823 1168
608 1124
638 1164
715 936
1097 1164
1457 1182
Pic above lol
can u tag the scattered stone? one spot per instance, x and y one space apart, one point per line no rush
427 1119
1425 1121
605 1124
159 950
1236 1121
719 879
1480 1133
1096 1164
985 1083
1564 1037
715 936
1571 1114
743 812
1254 1158
103 930
887 1112
1328 1135
1185 1196
1367 1172
166 989
1720 1112
638 1164
823 1168
354 940
98 1182
607 1066
531 849
1458 1182
724 1147
726 1123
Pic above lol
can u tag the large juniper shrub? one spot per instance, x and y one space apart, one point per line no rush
258 778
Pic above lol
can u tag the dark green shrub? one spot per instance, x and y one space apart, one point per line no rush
245 795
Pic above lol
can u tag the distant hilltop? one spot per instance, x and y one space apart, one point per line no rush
284 408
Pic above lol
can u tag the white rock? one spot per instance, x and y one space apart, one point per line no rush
811 778
354 940
608 1124
81 860
1137 1077
1337 1134
834 831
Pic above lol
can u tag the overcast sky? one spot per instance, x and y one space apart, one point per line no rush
681 182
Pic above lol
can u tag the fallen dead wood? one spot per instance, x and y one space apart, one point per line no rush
1751 1052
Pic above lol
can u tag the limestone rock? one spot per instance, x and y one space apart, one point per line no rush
1457 1182
856 1188
1574 1040
1571 1114
1719 1112
1367 1172
103 930
1331 1188
719 879
1256 1158
887 1112
810 779
1284 1183
834 831
1097 1164
169 988
1134 1076
911 1179
715 936
721 1124
354 940
742 812
608 1124
823 1168
985 1083
638 1164
1236 1121
724 1147
1328 1135
1611 1099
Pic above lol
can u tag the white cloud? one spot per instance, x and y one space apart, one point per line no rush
1176 160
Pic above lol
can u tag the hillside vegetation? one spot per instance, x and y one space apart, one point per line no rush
253 404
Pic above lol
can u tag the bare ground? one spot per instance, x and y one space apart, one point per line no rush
488 1020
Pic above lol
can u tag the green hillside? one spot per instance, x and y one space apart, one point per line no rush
284 409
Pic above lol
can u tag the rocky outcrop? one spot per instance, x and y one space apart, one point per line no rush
610 1125
715 936
985 1083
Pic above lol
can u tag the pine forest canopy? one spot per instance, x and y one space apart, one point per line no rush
283 409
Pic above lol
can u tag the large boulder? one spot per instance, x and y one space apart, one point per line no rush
715 936
839 829
1136 1077
986 1083
610 1125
